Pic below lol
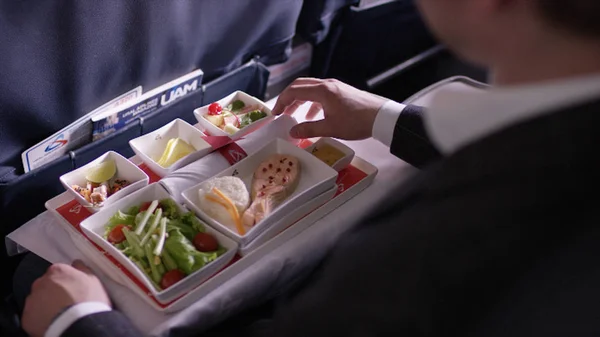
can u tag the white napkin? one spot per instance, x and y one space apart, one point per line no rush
210 165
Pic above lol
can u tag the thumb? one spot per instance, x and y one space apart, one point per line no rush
319 128
79 265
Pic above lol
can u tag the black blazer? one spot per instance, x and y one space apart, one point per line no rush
498 239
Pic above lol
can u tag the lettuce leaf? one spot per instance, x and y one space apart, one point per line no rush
121 218
188 224
170 209
237 105
187 258
190 219
252 117
184 229
117 219
133 210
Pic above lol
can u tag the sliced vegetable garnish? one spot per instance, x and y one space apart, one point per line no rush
232 210
142 224
168 260
134 243
144 207
165 243
161 237
156 276
153 226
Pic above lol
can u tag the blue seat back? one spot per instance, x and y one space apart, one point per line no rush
61 59
23 196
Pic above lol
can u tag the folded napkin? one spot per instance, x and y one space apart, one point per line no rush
208 166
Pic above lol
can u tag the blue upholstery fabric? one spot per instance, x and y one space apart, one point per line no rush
250 79
24 195
61 59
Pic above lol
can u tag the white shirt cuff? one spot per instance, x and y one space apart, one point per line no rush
385 122
72 314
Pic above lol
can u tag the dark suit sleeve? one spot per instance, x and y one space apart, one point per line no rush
104 324
411 142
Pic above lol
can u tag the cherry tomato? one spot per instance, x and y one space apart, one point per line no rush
215 109
116 234
146 205
205 242
171 277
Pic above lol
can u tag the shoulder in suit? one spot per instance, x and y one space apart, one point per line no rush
441 259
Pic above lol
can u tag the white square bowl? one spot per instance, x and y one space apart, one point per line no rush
93 227
316 177
125 170
150 147
343 162
248 100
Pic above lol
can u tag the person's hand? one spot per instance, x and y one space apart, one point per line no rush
61 287
349 112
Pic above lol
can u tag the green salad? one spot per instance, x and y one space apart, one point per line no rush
165 244
252 117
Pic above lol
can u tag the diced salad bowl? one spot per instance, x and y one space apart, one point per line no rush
202 115
94 228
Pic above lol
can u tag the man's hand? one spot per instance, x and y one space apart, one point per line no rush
61 287
349 112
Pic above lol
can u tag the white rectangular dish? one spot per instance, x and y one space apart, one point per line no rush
248 100
125 170
302 222
315 179
289 219
94 228
151 146
95 256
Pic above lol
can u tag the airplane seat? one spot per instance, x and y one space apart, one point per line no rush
319 17
369 38
62 59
